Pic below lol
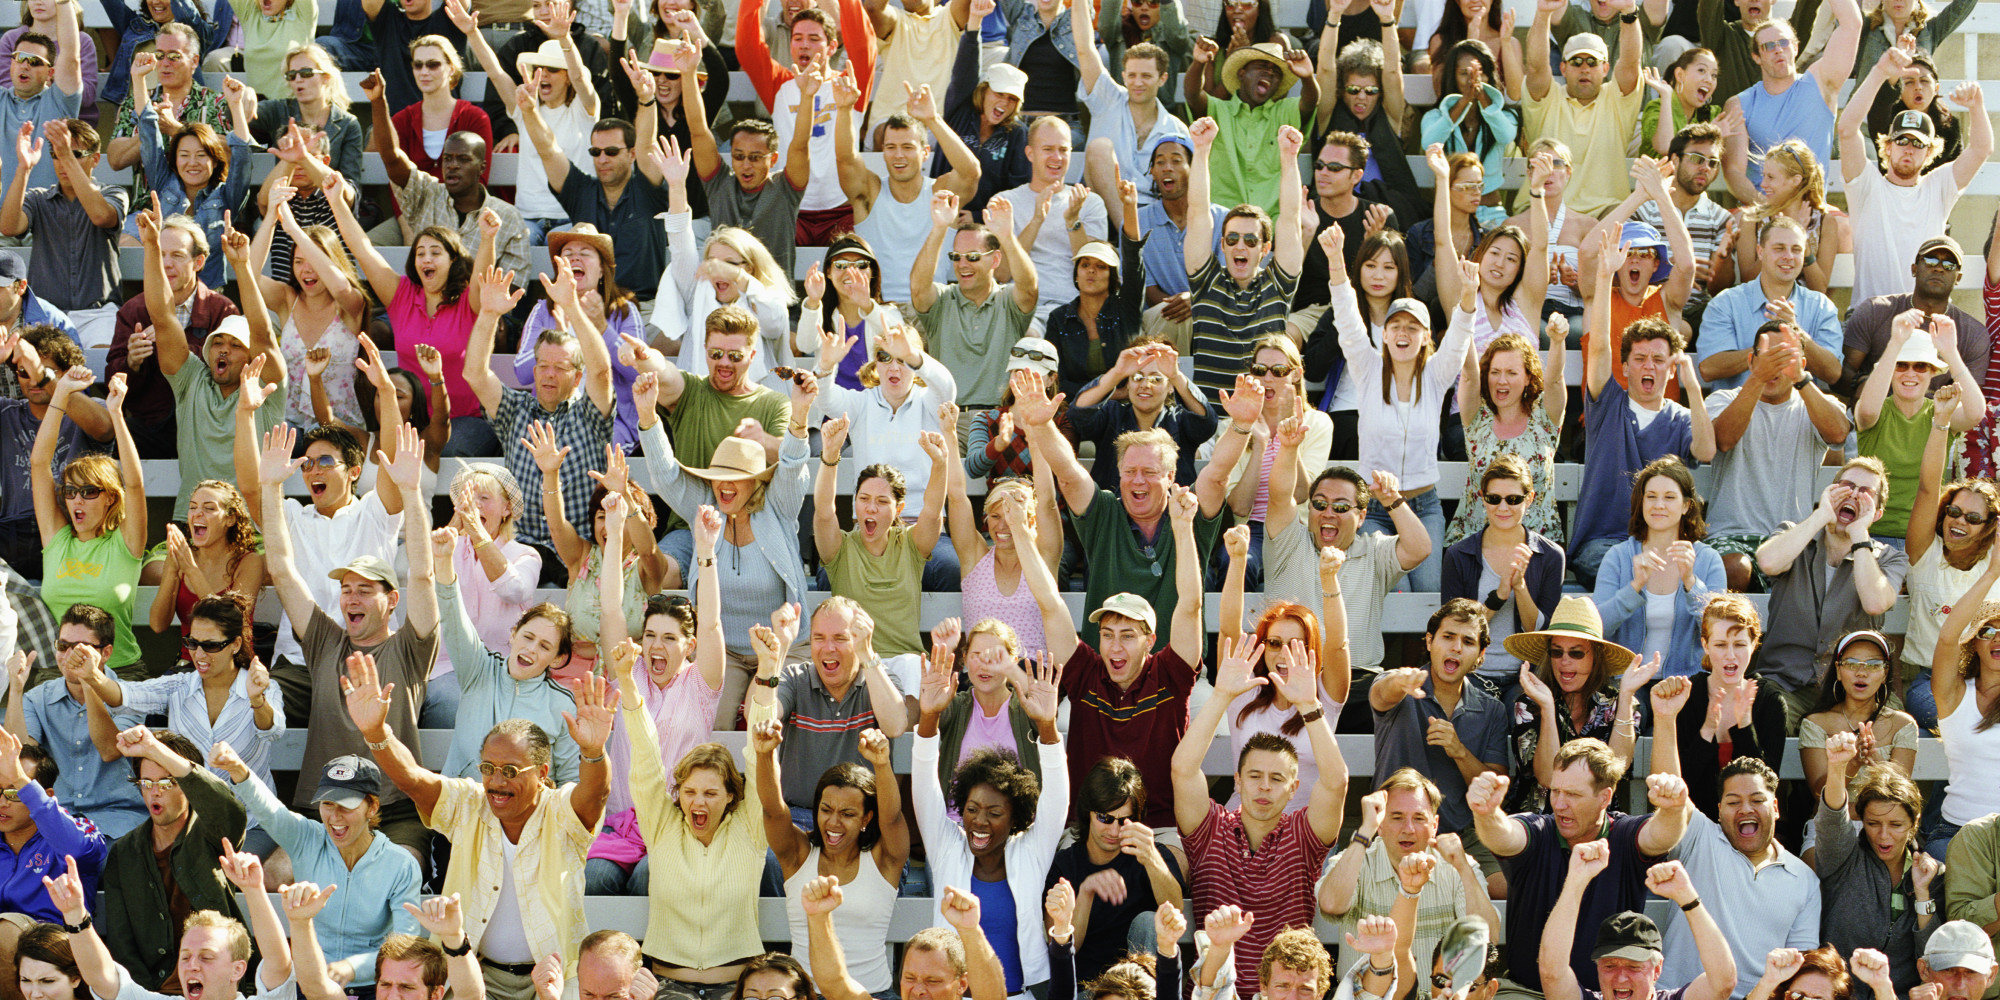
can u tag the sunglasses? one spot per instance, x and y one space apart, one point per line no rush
1911 141
735 357
31 59
324 462
1279 370
1148 378
1702 159
1109 820
1031 354
426 64
190 643
1969 516
85 492
969 256
172 56
1777 45
64 647
596 151
1356 90
1866 666
1940 263
793 375
1987 632
301 74
1469 187
1583 62
1251 240
1573 653
1334 165
149 784
666 74
849 265
1511 499
1337 506
883 357
509 771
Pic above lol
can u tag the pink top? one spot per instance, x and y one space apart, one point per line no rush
1262 501
683 716
493 605
1270 719
981 599
448 331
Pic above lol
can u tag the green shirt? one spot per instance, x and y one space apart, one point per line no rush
703 418
205 425
1120 560
972 339
1242 170
888 586
101 572
1899 442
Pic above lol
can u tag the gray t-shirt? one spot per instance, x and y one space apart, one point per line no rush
771 213
1291 571
46 106
1768 477
75 264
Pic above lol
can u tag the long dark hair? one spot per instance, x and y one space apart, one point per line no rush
458 277
230 610
829 308
1399 251
1486 243
1265 30
848 774
1454 28
420 400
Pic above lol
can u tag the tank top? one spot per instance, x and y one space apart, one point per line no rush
1558 292
1801 112
1973 756
982 599
861 925
896 230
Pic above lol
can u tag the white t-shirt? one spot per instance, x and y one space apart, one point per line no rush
571 125
506 937
823 184
1050 253
1890 223
322 544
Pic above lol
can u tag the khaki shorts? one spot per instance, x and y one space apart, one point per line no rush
1481 855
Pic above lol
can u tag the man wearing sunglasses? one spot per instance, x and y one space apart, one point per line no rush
1243 290
1894 204
1696 153
967 321
1591 114
47 78
1337 169
1935 268
1773 112
52 716
176 53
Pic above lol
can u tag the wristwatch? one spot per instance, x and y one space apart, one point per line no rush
769 682
1629 17
80 927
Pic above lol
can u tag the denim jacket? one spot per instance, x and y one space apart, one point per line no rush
134 27
210 206
1024 25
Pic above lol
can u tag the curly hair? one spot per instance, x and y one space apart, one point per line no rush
1531 363
1274 613
232 612
1001 771
1299 949
239 530
1981 488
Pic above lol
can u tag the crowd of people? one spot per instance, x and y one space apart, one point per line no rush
1139 335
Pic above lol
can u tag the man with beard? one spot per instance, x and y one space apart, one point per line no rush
453 200
1591 119
38 354
1169 304
1894 204
1371 564
1761 896
1696 155
1935 268
1785 103
894 217
1809 609
1735 54
1729 326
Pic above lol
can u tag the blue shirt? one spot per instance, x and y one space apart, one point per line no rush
1166 267
1400 741
489 695
57 834
34 310
42 108
209 207
1732 319
92 786
997 918
1614 448
369 905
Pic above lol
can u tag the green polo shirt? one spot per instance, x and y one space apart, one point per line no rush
972 339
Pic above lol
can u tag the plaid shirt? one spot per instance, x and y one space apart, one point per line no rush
579 426
36 627
1985 437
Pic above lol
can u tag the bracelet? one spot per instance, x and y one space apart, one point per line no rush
832 464
599 759
648 104
80 926
1399 502
1688 907
464 948
1233 429
1406 894
1317 713
1534 194
1363 842
1373 971
383 745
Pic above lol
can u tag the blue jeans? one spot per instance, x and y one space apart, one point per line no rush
344 43
1937 836
1585 561
539 229
472 437
605 877
1920 702
440 709
941 570
1430 510
1253 565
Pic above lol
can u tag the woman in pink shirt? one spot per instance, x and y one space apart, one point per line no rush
496 574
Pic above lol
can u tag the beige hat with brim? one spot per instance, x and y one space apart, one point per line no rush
1128 605
1270 52
1575 617
735 458
1921 350
548 56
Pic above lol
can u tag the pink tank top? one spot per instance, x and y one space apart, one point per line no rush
981 598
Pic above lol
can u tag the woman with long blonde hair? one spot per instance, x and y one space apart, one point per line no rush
1794 184
735 268
319 103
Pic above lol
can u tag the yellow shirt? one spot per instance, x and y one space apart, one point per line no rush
1596 134
548 865
702 907
919 52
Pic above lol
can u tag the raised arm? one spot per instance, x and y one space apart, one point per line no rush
1034 412
1540 77
1198 242
1445 252
827 534
1013 252
1948 683
1232 678
1186 634
1978 134
497 296
1289 252
368 707
381 277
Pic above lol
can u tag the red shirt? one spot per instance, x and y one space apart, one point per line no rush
1275 881
1143 724
465 117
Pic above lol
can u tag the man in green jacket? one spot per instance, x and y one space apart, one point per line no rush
192 812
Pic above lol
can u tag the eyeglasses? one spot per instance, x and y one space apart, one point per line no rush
1251 240
735 357
849 265
596 151
1796 995
1337 506
1511 499
1441 983
666 74
1279 370
1109 820
1910 141
1334 165
1142 3
1775 45
1356 90
1572 653
1148 378
1912 366
969 256
1031 354
1865 666
32 59
190 643
85 492
10 794
162 784
508 771
883 357
793 375
64 647
301 74
1968 516
324 462
1940 263
1469 187
426 64
1987 632
1702 159
770 996
1583 62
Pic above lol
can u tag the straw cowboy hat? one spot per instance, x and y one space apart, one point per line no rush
735 458
1270 52
1575 617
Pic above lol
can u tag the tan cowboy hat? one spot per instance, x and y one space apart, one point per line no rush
735 458
1575 616
1270 52
587 234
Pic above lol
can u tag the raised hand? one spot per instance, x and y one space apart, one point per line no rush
1375 934
1536 690
66 891
1202 131
1414 871
542 447
1638 675
1227 925
833 434
961 908
367 698
1666 791
821 895
497 293
875 748
276 464
243 869
590 725
1169 923
940 681
1670 880
303 901
1589 860
1486 794
1060 905
1781 964
766 737
1236 665
1039 687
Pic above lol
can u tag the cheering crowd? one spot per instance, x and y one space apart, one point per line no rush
521 492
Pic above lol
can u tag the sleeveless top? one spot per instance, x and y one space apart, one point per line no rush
861 925
1558 292
585 610
896 231
339 377
982 599
1801 112
1974 757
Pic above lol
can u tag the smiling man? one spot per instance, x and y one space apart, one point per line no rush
1053 219
175 58
829 701
1169 300
1241 284
754 192
1728 327
1597 107
52 716
1433 721
1627 951
1126 118
966 321
894 217
1696 153
1330 518
453 199
1773 111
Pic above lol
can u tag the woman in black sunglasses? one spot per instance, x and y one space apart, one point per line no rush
1949 540
1511 569
93 527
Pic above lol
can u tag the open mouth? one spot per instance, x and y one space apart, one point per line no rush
197 533
829 667
1847 512
525 662
830 839
871 526
978 840
77 514
498 799
1450 667
698 818
318 487
1327 533
1746 829
1648 383
1956 533
1567 678
725 495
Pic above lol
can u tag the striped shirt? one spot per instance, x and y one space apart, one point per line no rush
1275 881
1228 318
1980 444
1705 223
179 697
1440 902
819 731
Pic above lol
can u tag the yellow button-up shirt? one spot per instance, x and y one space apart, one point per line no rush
548 865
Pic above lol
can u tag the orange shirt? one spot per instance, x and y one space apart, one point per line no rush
1623 314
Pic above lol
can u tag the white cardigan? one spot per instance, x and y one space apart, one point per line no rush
1028 853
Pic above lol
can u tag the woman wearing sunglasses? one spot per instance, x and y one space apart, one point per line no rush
1819 974
856 310
1652 586
1507 409
1949 544
422 128
1965 681
220 551
1275 363
1511 569
1567 692
319 103
228 697
96 520
1857 860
